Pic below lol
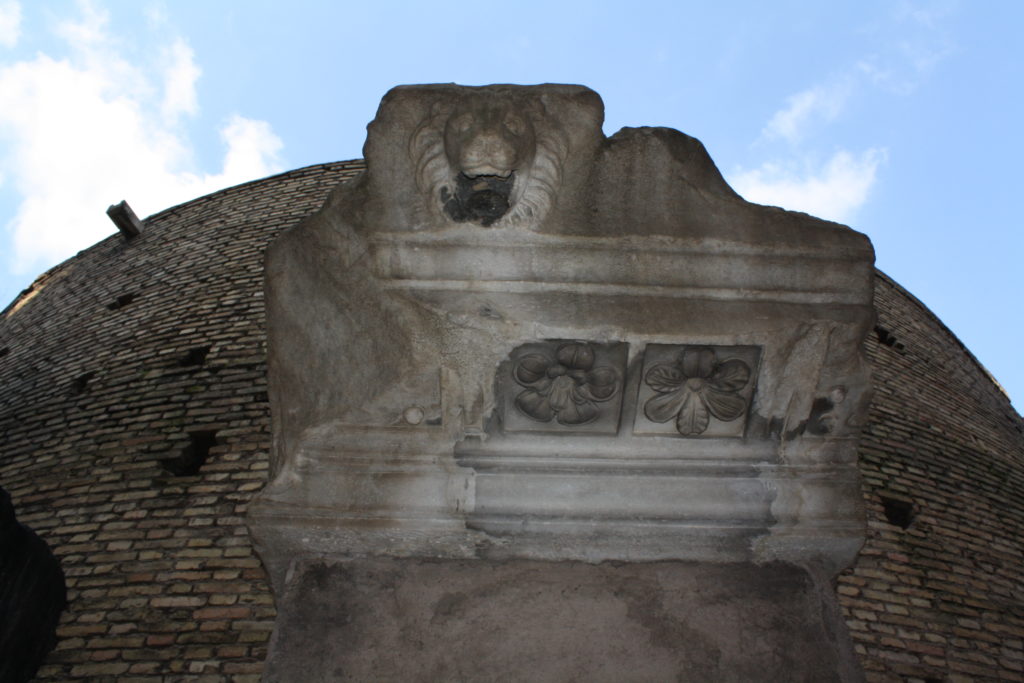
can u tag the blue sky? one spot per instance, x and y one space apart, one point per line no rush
900 119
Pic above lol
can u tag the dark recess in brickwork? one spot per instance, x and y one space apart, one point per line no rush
885 337
193 357
81 383
121 301
162 579
899 512
193 456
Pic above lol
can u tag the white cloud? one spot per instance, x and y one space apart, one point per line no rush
930 17
180 76
10 23
84 132
910 46
252 148
834 191
821 103
89 32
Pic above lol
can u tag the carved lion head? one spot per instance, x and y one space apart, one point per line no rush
494 156
489 160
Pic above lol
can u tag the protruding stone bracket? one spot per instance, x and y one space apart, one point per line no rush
125 219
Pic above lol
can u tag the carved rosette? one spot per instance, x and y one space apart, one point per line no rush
565 386
696 390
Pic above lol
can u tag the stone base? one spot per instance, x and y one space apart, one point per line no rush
521 620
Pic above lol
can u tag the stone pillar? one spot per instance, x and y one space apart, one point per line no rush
530 381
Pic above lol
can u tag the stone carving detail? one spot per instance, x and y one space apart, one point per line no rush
567 387
557 385
489 160
497 241
697 387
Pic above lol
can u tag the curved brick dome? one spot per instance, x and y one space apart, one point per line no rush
134 429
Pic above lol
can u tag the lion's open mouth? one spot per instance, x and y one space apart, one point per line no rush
479 199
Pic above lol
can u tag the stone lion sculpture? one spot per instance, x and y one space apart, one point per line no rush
535 158
495 157
490 163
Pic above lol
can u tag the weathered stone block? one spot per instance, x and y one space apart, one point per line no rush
514 338
712 383
457 620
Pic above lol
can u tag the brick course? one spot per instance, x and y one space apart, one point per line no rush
98 391
938 596
119 364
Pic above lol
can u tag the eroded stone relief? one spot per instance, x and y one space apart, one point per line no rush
696 390
491 160
514 336
515 339
686 390
564 382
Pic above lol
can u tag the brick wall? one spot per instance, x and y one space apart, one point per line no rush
122 365
938 589
126 364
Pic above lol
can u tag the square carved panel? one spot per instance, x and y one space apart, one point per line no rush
690 390
563 386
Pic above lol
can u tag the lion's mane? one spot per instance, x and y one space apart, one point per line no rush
535 186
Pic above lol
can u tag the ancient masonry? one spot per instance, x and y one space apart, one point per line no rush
135 429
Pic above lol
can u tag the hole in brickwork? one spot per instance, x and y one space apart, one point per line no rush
81 383
192 456
261 397
4 351
194 357
121 301
884 336
887 338
898 512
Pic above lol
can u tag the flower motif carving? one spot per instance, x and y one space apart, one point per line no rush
567 387
695 387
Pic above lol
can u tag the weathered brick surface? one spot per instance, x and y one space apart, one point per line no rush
99 390
162 580
943 598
